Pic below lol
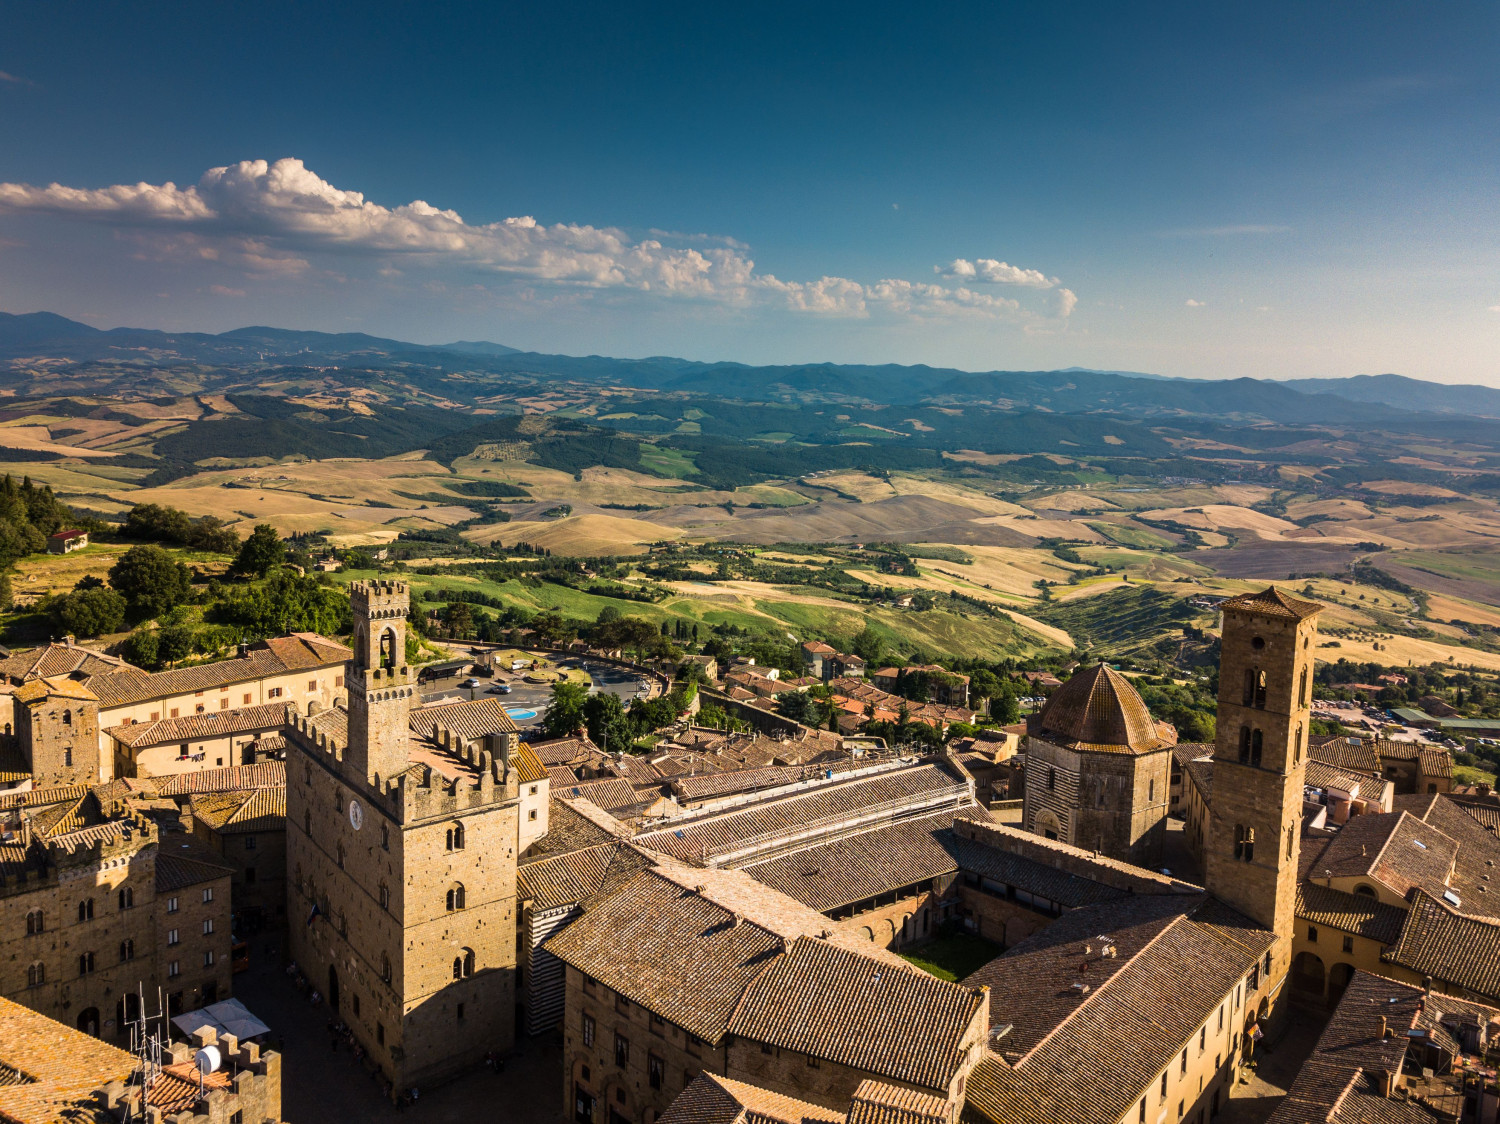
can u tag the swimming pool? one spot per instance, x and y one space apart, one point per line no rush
520 714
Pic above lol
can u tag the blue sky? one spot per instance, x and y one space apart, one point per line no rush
1277 190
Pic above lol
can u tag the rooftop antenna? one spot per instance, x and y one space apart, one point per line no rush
147 1043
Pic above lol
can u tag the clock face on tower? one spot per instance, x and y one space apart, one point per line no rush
356 815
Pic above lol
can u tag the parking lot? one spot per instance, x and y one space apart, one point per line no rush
527 702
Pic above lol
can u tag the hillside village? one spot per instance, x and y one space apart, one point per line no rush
760 917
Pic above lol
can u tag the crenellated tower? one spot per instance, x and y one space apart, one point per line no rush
381 684
1260 759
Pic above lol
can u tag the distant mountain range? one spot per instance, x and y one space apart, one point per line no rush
1362 400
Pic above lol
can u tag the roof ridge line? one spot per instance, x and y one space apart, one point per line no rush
1095 993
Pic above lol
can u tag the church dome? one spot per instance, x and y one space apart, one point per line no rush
1099 711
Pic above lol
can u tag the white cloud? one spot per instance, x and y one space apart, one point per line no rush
1191 303
225 291
260 218
995 272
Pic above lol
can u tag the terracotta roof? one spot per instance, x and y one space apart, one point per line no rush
40 797
1435 761
1396 849
262 774
1478 858
178 871
177 1087
561 775
717 832
1140 1006
567 831
1458 949
60 659
1356 914
609 793
571 878
1037 878
842 871
241 812
210 724
269 657
1098 710
1271 602
1320 775
1347 755
1183 752
568 751
57 686
470 720
711 1099
875 1102
832 1003
1339 1082
57 1068
528 769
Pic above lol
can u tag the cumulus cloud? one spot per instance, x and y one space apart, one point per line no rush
1191 303
263 217
995 272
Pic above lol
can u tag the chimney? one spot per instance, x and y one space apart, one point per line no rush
1385 1082
1385 1030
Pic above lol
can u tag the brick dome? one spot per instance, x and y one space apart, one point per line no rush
1099 711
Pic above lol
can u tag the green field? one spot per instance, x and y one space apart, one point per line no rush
667 462
1129 534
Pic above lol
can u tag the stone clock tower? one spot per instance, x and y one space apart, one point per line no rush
401 862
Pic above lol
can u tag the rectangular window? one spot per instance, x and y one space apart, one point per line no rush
223 704
249 842
174 712
658 1024
656 1070
208 894
247 700
174 969
622 1050
155 715
171 905
208 926
1184 1061
1202 1038
460 1012
588 1030
621 1003
588 985
813 1063
338 680
172 937
208 959
312 684
274 693
1348 944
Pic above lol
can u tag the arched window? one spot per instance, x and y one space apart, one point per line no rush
68 757
385 967
1297 746
1365 891
1302 688
1051 778
86 910
127 897
198 709
36 974
1256 740
1291 838
388 648
385 896
455 897
67 718
34 923
458 967
468 962
1244 843
127 950
1244 745
456 837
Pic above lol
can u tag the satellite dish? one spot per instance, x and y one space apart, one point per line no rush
207 1059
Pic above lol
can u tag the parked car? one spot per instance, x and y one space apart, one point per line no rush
469 683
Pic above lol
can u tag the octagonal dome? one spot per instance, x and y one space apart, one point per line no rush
1099 711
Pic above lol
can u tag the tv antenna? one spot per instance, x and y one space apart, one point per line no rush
148 1042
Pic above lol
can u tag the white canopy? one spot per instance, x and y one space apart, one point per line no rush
228 1017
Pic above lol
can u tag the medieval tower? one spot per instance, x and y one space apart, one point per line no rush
57 725
1260 757
401 865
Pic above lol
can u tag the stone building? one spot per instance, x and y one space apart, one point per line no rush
211 740
94 909
49 1072
57 730
1251 848
246 829
1098 768
401 856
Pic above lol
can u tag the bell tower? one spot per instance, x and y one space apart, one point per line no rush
1260 758
381 685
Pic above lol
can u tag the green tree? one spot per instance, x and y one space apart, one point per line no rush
174 642
287 602
869 645
150 580
88 612
565 712
142 649
260 552
459 618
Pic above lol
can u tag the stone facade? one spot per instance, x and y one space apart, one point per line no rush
1260 760
1113 803
57 727
402 866
194 918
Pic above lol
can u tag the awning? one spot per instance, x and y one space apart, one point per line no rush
228 1017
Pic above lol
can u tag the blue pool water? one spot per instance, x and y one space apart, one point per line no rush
519 715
